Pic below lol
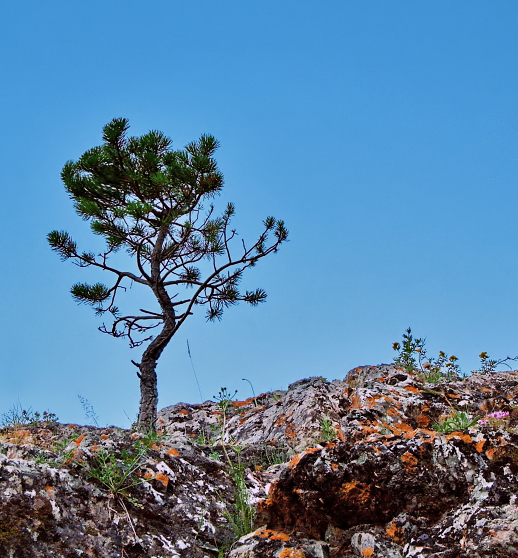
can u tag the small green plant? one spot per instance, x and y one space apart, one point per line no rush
407 350
489 365
202 439
152 438
272 455
89 410
117 475
458 420
412 357
224 399
327 430
242 518
59 448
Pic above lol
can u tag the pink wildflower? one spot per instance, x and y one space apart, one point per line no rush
498 415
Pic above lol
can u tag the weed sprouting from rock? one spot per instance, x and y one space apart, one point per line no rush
327 431
457 420
489 365
89 410
17 417
412 357
242 519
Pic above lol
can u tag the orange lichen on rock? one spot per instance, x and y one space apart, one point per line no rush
402 429
297 457
369 551
273 535
290 432
50 491
76 454
423 421
355 493
428 433
183 412
340 434
149 475
355 402
78 441
173 452
366 430
480 445
372 401
164 479
244 403
394 532
412 389
104 437
291 553
490 453
409 461
461 436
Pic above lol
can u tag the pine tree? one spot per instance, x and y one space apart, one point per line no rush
146 198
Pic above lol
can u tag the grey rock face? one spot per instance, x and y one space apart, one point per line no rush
335 469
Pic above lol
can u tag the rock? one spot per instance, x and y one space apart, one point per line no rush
55 509
335 469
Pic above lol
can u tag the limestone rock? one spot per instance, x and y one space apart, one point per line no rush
335 469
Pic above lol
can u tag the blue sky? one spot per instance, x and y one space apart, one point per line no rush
383 133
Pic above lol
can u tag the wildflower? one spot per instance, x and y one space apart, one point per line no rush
418 350
427 365
483 355
453 358
441 354
494 418
396 346
498 414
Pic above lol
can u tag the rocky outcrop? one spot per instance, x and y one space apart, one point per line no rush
51 506
346 468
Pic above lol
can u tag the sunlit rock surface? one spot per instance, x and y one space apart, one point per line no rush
346 468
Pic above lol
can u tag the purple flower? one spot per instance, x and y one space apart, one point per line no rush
498 415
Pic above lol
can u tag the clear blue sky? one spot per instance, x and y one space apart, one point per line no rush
383 133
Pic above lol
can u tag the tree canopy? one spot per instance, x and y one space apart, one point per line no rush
143 197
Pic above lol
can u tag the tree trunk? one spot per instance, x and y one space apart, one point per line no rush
148 379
